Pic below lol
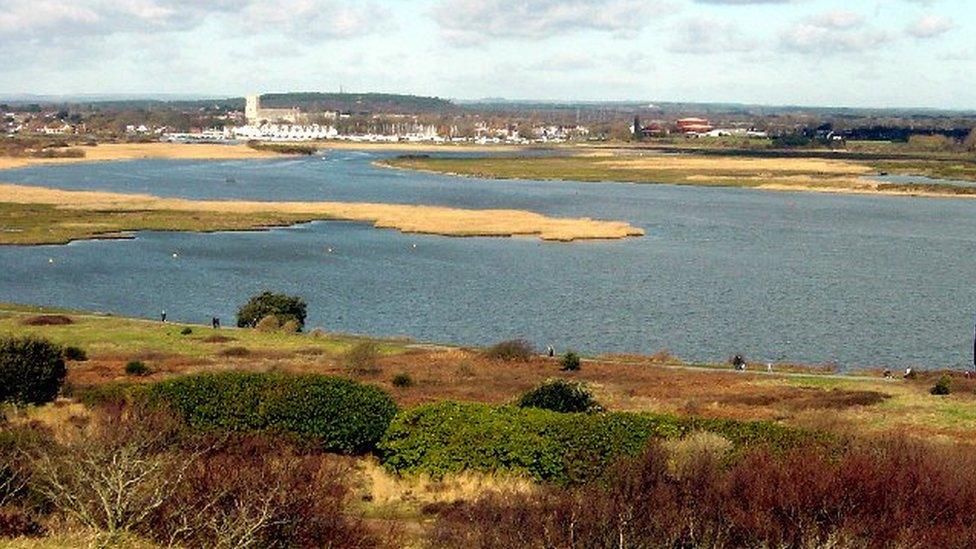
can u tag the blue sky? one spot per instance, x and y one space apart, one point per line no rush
883 53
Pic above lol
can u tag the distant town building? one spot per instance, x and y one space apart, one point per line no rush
694 125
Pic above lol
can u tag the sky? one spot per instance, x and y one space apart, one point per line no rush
857 53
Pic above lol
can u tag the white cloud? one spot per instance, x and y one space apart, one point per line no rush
703 36
62 20
830 33
468 22
929 26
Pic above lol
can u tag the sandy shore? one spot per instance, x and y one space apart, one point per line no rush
139 151
402 217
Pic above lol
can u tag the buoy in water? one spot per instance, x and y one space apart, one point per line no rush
50 260
175 255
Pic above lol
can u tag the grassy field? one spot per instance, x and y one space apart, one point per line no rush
662 383
801 173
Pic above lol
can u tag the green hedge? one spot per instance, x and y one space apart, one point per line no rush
333 413
450 437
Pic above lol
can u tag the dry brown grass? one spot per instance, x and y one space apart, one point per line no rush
138 151
47 320
402 217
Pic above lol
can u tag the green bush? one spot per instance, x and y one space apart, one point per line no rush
332 413
186 331
76 354
513 350
449 437
943 386
137 368
281 306
402 380
560 395
31 370
570 362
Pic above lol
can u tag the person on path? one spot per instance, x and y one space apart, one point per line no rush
162 316
550 351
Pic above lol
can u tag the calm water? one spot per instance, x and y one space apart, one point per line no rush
856 280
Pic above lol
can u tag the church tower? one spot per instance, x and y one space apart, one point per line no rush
252 109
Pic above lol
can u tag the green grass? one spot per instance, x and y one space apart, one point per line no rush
111 335
47 224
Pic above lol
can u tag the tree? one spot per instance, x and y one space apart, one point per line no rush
970 142
31 370
281 306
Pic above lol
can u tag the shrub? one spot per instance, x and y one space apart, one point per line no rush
332 413
114 474
260 493
402 380
235 351
943 386
32 370
559 395
513 350
570 362
76 354
283 307
362 358
877 493
186 331
137 368
449 437
269 323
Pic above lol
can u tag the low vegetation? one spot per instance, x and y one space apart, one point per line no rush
137 368
330 413
884 493
450 437
560 395
570 362
241 423
513 350
31 370
362 358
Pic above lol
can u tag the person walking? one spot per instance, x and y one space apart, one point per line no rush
162 316
550 351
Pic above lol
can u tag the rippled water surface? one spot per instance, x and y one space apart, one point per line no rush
812 278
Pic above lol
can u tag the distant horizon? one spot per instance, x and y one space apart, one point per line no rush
73 98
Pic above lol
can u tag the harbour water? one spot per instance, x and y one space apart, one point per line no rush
812 278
